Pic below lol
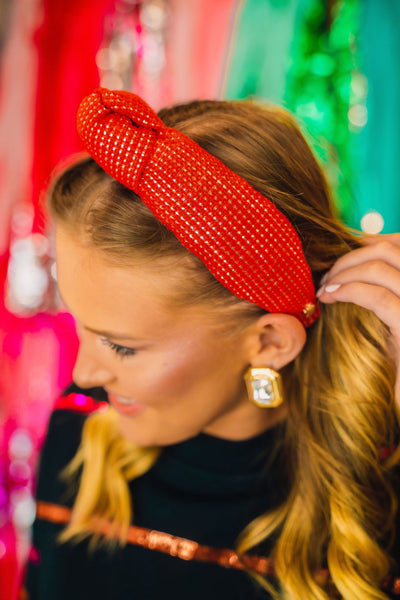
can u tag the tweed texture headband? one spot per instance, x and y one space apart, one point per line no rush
240 235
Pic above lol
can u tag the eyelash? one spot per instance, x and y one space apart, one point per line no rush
122 351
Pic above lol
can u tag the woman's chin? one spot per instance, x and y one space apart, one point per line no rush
136 433
148 432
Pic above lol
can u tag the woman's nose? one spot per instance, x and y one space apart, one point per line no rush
88 372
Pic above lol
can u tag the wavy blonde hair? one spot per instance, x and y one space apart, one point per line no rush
341 508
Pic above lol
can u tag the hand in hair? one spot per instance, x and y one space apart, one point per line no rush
370 277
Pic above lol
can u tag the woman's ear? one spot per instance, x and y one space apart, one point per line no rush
279 338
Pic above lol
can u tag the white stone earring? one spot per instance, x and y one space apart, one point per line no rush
264 386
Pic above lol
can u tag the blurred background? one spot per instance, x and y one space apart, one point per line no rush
334 63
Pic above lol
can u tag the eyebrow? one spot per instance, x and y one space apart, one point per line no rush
106 334
112 334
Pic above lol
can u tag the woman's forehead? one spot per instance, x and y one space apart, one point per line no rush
103 295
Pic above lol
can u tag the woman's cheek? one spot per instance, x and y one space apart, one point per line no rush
153 378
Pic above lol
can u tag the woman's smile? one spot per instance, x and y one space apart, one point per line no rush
125 406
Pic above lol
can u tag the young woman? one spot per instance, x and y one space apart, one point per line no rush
248 346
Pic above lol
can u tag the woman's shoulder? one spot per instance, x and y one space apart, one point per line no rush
61 443
62 440
63 434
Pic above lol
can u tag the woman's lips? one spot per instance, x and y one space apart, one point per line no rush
125 406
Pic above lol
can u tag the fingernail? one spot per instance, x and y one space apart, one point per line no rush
332 287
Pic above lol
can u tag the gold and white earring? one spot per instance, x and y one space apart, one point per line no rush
264 386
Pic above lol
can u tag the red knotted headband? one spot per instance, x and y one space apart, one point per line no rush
240 235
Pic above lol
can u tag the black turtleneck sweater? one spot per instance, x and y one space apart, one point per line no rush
205 489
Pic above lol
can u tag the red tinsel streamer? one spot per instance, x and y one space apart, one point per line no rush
67 43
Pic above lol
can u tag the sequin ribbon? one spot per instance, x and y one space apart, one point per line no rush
167 543
240 235
186 549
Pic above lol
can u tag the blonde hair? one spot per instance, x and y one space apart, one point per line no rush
108 461
340 390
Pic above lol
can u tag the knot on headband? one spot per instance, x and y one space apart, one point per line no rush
240 235
130 127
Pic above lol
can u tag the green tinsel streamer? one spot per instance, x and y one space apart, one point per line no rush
327 91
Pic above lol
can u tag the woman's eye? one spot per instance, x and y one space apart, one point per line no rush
120 350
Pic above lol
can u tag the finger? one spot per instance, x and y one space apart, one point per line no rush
393 238
383 250
375 272
384 303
